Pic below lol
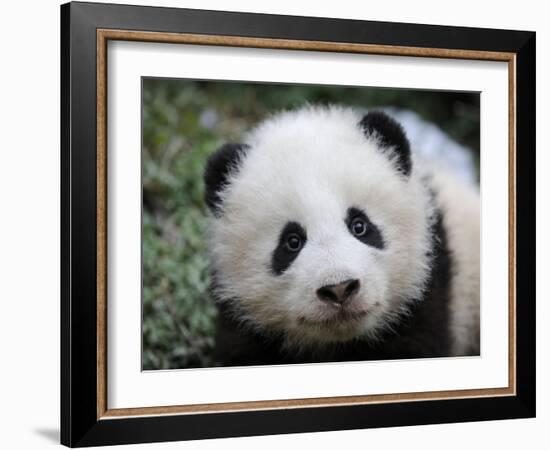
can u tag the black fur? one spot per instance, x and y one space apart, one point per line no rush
424 333
373 236
282 257
390 135
218 168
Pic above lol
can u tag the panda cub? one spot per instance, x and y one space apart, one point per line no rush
332 241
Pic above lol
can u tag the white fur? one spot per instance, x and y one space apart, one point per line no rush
461 209
310 166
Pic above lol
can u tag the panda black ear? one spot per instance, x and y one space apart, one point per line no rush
216 174
390 135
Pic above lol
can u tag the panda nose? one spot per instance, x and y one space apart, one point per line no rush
337 294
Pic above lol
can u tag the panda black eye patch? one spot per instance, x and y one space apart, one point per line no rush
291 241
363 229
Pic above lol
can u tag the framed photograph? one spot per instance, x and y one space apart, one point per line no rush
277 224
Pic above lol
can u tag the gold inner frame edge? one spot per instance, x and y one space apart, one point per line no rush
103 36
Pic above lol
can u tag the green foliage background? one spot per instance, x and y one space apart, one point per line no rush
184 122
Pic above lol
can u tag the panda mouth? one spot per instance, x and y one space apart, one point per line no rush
341 317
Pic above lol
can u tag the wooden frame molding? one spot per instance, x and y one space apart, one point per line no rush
103 36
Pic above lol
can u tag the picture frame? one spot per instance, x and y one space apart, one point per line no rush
86 29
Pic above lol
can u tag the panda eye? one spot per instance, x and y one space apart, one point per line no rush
293 242
358 227
292 239
363 229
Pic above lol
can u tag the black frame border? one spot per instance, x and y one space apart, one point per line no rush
79 423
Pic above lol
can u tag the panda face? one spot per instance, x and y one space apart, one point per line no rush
319 234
